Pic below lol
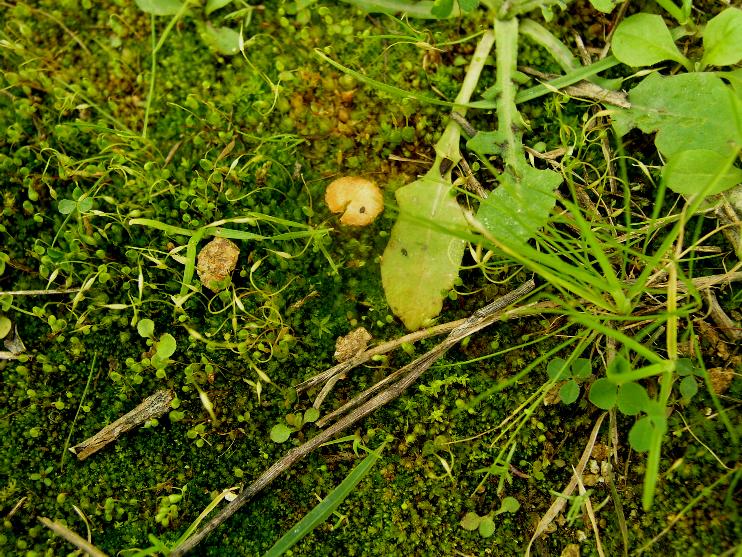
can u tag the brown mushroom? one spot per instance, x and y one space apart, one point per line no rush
359 200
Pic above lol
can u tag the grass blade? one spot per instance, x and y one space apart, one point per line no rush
319 513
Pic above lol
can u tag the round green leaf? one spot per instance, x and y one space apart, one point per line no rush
688 387
486 527
280 433
644 40
5 326
569 392
640 436
632 399
700 171
684 366
582 368
66 206
508 505
722 38
556 368
159 7
311 415
146 328
84 205
166 346
470 521
603 394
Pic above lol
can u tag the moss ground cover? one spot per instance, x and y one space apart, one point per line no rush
129 138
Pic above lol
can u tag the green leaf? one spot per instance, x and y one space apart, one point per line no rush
486 527
85 204
146 328
520 206
569 392
470 521
644 40
557 368
603 394
640 436
442 8
214 5
311 415
688 387
487 143
66 206
160 7
618 366
468 5
688 111
722 38
224 40
421 260
632 399
5 326
508 505
605 6
700 170
165 346
280 433
684 366
582 368
326 507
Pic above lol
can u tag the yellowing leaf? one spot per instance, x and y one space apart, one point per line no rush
421 260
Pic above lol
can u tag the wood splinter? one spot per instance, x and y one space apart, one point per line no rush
153 406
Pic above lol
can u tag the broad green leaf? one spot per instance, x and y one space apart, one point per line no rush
468 5
66 206
569 392
605 6
688 111
224 40
421 260
5 326
486 527
160 7
146 328
688 387
644 40
84 205
280 433
214 5
722 38
326 507
582 368
311 415
166 346
640 435
557 368
470 521
487 143
603 394
696 171
632 399
508 505
442 8
519 207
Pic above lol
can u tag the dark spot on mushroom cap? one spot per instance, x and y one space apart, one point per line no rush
362 210
404 252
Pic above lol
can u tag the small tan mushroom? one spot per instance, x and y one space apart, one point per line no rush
359 200
216 261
